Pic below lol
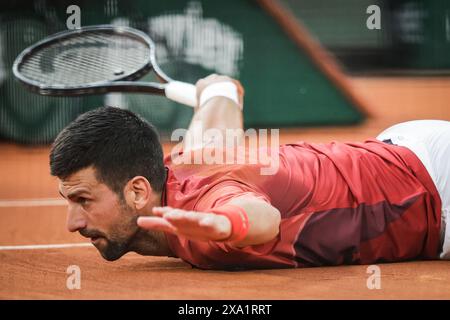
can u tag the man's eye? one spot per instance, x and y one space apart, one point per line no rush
82 200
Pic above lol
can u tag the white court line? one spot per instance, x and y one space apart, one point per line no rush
49 202
47 246
39 203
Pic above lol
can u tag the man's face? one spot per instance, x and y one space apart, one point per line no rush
97 213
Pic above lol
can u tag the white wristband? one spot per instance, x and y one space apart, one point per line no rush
220 89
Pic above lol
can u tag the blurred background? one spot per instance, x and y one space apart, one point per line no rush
296 58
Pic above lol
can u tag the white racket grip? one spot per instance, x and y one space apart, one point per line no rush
182 92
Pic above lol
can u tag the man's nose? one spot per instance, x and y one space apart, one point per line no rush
75 218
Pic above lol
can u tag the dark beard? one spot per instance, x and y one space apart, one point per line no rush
117 248
114 250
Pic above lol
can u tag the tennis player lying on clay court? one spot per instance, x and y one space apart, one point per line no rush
382 200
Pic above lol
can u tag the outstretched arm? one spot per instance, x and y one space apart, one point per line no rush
217 112
263 223
260 221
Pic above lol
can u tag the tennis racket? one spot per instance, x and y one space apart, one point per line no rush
96 60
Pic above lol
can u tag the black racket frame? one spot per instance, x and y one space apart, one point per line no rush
121 84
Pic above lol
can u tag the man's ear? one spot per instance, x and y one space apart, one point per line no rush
138 192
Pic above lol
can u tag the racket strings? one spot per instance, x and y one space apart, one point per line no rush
91 56
88 58
84 53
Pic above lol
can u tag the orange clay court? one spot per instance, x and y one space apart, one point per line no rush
32 217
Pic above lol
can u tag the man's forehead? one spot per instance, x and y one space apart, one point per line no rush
83 178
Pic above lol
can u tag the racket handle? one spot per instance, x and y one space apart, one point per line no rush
182 92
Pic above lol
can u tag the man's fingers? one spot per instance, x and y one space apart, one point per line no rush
160 211
194 225
184 220
156 223
177 215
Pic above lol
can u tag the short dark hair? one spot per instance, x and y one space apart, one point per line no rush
117 143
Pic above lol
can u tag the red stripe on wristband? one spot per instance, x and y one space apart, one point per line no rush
239 221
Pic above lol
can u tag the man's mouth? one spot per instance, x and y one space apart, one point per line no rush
93 236
94 240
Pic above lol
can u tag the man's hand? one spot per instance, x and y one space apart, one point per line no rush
263 219
190 224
